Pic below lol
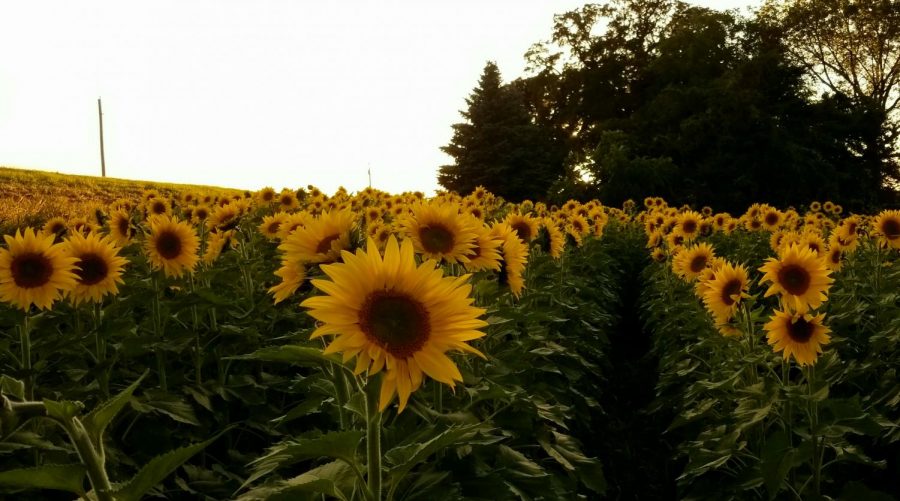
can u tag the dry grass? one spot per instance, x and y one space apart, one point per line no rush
29 198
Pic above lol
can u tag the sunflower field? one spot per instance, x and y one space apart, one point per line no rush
369 346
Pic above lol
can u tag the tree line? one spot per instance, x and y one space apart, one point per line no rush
795 102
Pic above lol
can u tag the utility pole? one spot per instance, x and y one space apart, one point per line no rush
102 154
370 175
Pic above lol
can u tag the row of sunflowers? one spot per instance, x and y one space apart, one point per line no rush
776 334
358 346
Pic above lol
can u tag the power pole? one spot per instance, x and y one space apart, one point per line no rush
102 154
370 175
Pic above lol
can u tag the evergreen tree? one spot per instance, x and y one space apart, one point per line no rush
499 146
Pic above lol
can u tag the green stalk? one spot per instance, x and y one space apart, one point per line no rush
25 338
90 458
439 397
343 394
100 345
813 430
373 438
157 327
198 350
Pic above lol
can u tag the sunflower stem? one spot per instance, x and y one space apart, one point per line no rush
25 338
343 395
373 438
90 457
100 343
198 350
157 327
439 398
813 432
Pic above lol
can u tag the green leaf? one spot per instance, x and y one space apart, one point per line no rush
338 445
61 477
63 410
177 409
311 405
775 461
326 479
292 354
99 418
566 451
157 470
12 387
404 458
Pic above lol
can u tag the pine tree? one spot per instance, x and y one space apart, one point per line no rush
499 146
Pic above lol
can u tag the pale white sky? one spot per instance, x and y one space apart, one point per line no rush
254 93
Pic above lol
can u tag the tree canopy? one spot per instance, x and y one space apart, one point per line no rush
632 98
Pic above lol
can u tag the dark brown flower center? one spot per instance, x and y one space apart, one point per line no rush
201 213
286 200
771 219
835 256
158 207
268 196
698 263
794 279
273 227
436 238
168 244
814 246
800 330
325 244
732 287
891 228
523 230
396 322
123 226
31 269
689 226
91 269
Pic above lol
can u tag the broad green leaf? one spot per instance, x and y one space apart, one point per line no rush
311 405
12 387
177 409
775 461
566 451
61 477
64 410
339 445
292 354
326 479
99 418
157 470
404 458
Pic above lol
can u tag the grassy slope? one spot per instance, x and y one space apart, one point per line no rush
28 198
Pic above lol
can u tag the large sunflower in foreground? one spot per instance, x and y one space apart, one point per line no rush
172 245
724 292
34 270
800 276
439 231
393 315
801 335
887 228
99 266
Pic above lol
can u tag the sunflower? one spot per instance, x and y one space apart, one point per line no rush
772 219
692 261
57 227
157 206
525 225
120 228
99 267
224 218
800 276
266 195
725 291
485 255
200 214
439 231
815 206
216 244
515 257
801 335
658 255
814 241
270 225
688 225
292 275
172 246
292 222
380 232
556 236
287 200
34 270
321 239
834 258
395 316
887 228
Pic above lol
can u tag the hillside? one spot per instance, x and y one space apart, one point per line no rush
28 197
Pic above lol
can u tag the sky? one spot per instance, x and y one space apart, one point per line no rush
254 93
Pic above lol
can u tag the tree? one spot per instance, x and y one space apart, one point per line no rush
499 146
852 50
